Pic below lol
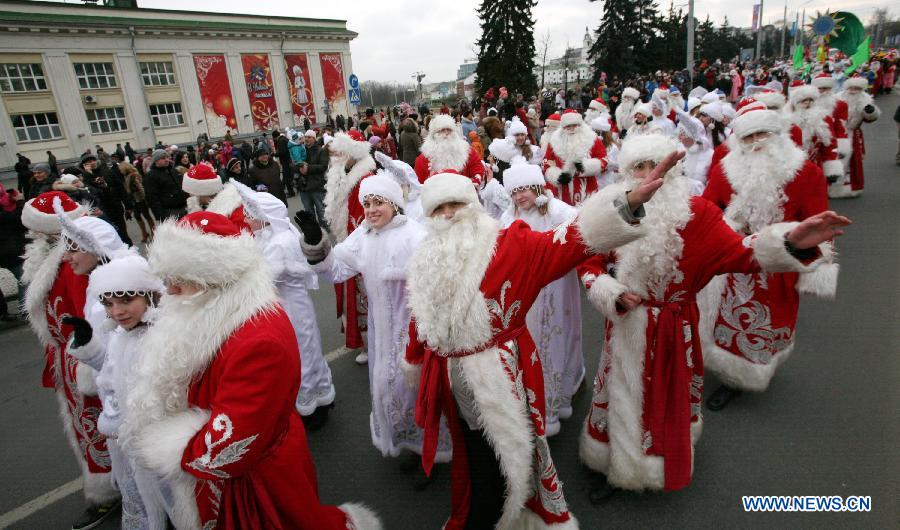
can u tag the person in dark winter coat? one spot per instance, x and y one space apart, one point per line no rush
162 188
284 160
114 201
312 178
410 141
51 161
234 169
41 181
267 173
12 239
23 172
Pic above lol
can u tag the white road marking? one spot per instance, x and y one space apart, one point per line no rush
35 505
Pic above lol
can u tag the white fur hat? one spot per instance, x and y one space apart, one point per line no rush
709 97
636 149
598 104
516 127
858 82
201 181
504 149
128 271
771 98
353 147
205 249
447 187
697 92
713 110
94 235
441 122
823 80
693 103
381 186
645 109
630 92
754 116
728 111
570 117
39 215
802 92
601 123
522 175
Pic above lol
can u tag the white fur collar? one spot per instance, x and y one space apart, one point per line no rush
444 282
624 118
812 123
450 154
226 201
573 148
758 181
338 187
42 261
855 105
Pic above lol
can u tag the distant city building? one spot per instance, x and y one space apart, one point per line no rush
578 70
465 70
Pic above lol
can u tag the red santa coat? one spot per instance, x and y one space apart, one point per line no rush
472 167
54 292
584 183
645 410
749 319
497 355
344 213
227 202
856 117
839 116
820 146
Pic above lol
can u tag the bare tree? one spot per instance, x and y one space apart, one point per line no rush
545 46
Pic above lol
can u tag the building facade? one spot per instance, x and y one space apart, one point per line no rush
571 69
76 76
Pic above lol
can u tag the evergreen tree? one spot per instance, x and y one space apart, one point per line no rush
706 40
506 47
615 43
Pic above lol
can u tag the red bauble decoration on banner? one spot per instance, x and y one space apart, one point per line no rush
223 105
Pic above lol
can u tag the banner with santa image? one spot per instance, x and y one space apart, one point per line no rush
333 81
302 102
215 93
258 78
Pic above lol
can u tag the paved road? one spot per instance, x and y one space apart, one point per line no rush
828 424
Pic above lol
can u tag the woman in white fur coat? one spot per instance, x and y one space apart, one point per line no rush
554 320
379 250
279 242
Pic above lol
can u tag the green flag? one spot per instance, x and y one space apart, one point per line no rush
798 57
860 57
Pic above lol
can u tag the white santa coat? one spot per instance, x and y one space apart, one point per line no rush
696 164
381 256
554 321
611 175
495 198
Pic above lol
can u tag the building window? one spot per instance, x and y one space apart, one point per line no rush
95 75
108 120
167 115
22 77
157 74
36 127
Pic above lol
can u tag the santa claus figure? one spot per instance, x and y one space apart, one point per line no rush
596 108
574 159
640 121
349 164
550 125
445 151
207 192
471 286
212 410
773 99
861 109
624 111
645 412
812 129
748 322
54 292
837 110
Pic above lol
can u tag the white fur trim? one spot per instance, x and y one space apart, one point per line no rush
522 175
844 147
592 167
86 379
798 94
226 201
822 82
593 453
770 252
833 168
338 187
570 118
98 487
439 122
630 92
162 444
193 204
858 82
411 372
318 252
361 517
643 147
45 223
739 373
43 259
532 521
756 121
201 187
507 426
603 294
600 224
822 282
447 187
771 99
343 144
552 174
840 190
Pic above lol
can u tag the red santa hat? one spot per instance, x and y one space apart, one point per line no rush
127 272
639 148
521 174
447 187
204 249
856 82
38 214
632 93
383 187
570 117
598 104
352 144
754 116
771 98
823 80
441 122
201 181
552 120
802 92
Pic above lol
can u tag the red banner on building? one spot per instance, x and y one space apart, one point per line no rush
333 81
302 102
258 78
215 93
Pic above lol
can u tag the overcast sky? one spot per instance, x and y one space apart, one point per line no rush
399 37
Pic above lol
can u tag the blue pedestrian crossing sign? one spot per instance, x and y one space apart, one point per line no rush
353 80
354 96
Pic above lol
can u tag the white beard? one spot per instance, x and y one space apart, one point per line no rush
855 105
624 119
812 123
338 186
444 280
571 148
666 214
758 179
446 154
826 102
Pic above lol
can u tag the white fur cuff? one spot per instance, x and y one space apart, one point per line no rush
91 354
822 282
833 168
603 294
360 517
601 225
316 252
552 174
86 380
592 167
160 446
771 253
